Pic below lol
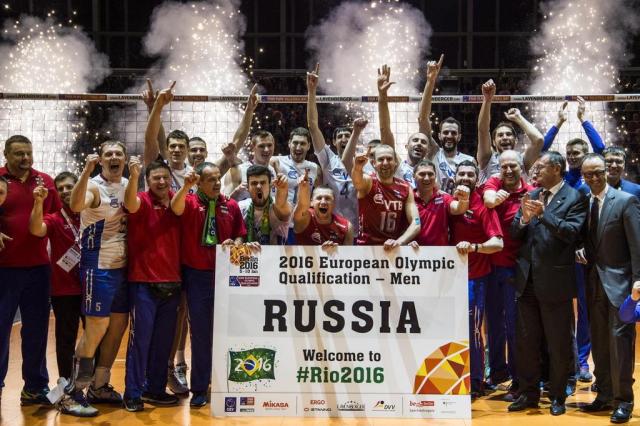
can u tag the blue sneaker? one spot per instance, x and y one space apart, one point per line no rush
199 399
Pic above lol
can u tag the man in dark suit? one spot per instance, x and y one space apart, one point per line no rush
615 158
549 223
612 251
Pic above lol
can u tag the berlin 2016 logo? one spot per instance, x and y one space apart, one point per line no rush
252 364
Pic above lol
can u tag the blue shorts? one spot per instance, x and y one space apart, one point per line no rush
104 291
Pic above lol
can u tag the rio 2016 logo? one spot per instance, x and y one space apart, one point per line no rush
252 364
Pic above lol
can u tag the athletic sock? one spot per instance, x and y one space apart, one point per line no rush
102 377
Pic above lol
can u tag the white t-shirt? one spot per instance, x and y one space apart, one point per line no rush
177 178
103 229
279 229
243 167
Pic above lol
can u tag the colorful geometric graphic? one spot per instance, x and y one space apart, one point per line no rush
237 253
445 371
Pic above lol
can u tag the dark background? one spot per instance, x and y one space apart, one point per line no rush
480 34
481 39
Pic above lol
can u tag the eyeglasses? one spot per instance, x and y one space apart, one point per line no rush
595 173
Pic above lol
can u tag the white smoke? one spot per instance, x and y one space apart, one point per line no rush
356 39
580 46
199 45
42 56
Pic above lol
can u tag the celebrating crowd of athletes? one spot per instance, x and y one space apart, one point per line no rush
537 234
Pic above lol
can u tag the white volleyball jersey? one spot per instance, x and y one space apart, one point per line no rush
293 171
405 172
339 180
104 229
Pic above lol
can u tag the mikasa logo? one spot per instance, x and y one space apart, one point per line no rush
275 405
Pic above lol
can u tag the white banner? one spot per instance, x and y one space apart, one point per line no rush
344 332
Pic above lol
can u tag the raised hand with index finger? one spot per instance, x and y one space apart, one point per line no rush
433 68
253 101
165 96
313 77
148 95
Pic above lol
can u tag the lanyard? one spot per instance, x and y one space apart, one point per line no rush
71 225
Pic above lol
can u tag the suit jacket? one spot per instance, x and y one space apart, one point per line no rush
615 253
630 187
549 245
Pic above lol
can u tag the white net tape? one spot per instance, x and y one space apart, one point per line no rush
64 127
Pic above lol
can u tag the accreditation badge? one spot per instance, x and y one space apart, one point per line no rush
70 258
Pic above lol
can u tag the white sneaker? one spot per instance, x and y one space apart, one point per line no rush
177 379
76 405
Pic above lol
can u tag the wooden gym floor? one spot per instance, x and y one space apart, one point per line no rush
489 410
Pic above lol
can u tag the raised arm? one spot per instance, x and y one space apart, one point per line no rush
149 98
553 130
384 76
178 200
301 216
84 195
592 134
281 206
317 138
493 198
534 148
37 226
350 149
460 204
240 136
151 147
361 182
483 155
131 199
228 159
424 115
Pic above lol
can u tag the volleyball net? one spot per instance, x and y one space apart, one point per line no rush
64 128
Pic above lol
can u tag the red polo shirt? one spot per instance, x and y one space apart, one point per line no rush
61 236
229 224
434 219
477 225
25 250
153 241
506 212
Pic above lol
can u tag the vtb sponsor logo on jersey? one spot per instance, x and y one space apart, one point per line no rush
388 204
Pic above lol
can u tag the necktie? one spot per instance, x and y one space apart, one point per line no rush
593 218
545 197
